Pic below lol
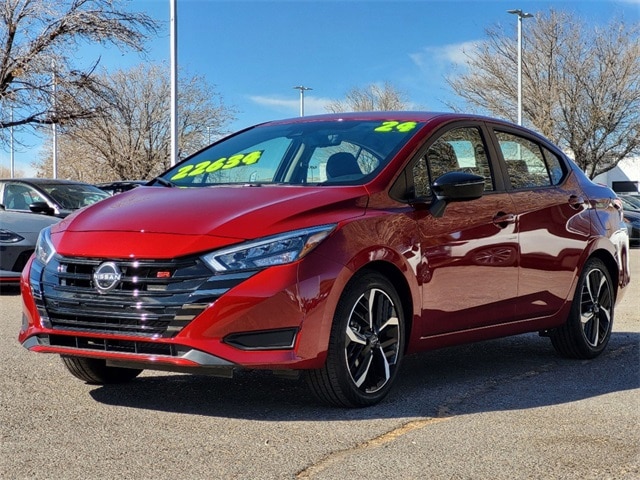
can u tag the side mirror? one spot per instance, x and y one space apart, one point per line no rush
455 187
41 207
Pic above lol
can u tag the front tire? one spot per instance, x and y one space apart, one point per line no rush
588 328
96 371
366 345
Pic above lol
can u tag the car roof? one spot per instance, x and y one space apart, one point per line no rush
418 116
121 182
42 181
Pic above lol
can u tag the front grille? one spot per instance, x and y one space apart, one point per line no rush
152 299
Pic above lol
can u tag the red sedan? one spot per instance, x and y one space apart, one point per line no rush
334 245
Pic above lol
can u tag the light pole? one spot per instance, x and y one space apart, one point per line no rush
54 129
520 15
12 157
302 88
173 53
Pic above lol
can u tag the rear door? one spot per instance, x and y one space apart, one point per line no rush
552 220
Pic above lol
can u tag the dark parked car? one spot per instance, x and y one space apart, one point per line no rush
119 186
18 235
48 196
631 200
631 206
332 245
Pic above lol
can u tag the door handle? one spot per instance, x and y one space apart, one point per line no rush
503 219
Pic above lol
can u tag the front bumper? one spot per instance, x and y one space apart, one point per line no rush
277 318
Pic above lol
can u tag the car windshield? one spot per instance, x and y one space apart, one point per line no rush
319 152
72 196
630 202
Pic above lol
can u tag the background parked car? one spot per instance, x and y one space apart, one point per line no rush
631 199
120 186
18 234
48 196
631 206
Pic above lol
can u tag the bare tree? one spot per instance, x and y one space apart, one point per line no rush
130 139
5 172
581 86
371 98
37 41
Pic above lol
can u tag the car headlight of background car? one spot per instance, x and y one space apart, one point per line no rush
7 236
44 247
277 250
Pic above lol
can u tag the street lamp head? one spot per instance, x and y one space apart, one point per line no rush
302 89
520 13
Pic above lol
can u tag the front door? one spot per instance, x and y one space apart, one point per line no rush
469 268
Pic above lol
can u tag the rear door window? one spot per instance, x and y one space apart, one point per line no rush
529 165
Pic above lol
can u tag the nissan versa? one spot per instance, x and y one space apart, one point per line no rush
334 245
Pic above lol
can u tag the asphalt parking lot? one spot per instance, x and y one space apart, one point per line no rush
503 409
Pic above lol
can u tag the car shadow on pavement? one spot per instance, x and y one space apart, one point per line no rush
519 372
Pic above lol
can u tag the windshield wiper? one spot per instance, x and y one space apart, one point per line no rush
164 182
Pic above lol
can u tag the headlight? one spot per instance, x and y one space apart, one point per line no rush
44 247
7 236
277 250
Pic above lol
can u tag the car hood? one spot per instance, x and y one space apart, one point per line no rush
165 222
24 223
632 216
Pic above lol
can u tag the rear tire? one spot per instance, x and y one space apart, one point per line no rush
588 328
366 345
96 371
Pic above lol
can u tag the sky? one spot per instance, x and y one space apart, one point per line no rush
255 52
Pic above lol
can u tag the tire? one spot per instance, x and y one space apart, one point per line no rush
96 371
588 328
366 345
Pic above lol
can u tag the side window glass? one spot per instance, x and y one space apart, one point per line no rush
458 150
525 161
421 183
33 196
17 197
556 172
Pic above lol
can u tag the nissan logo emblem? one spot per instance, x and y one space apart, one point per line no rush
106 277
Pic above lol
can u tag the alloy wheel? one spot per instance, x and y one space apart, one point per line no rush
372 341
595 307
